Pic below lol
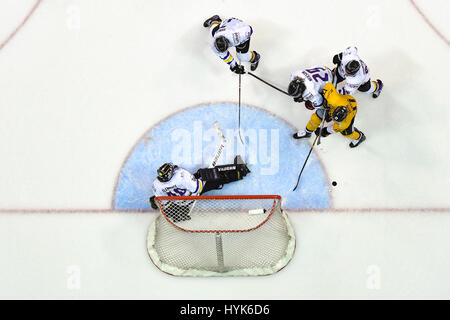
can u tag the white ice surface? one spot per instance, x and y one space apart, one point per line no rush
73 101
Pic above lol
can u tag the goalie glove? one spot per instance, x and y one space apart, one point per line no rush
153 203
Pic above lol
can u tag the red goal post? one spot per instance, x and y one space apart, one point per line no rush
221 235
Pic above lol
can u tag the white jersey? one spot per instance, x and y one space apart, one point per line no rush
236 31
183 183
355 81
315 78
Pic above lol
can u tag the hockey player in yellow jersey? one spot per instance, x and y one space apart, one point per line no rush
341 109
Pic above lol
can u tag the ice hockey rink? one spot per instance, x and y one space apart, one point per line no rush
95 94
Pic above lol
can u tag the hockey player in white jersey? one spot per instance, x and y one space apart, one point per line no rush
354 71
176 181
306 85
232 33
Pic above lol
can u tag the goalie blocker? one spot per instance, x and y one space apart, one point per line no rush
217 176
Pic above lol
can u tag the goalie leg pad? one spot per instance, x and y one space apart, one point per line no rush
223 174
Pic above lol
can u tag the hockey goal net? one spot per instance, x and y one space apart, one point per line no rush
221 236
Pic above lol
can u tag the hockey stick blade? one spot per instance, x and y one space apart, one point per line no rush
223 142
304 164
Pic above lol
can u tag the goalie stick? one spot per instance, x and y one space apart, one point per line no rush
223 142
317 138
239 119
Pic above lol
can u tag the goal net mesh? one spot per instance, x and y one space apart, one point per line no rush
220 236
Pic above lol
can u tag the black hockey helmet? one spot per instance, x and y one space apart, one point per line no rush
340 113
221 43
296 87
165 172
352 67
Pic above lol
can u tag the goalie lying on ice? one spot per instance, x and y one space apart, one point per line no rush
176 181
338 108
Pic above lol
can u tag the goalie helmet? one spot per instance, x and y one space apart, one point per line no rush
352 67
221 44
340 113
296 87
165 172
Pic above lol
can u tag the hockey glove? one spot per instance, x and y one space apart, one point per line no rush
153 203
298 99
337 59
324 132
238 69
326 107
309 105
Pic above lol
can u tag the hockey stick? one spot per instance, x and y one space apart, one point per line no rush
310 150
223 142
239 120
321 125
270 85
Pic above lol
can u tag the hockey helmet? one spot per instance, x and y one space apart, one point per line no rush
221 44
352 67
165 172
340 113
296 87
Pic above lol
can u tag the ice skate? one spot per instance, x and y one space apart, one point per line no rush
358 142
208 21
254 64
378 91
301 134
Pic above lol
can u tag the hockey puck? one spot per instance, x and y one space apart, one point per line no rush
334 183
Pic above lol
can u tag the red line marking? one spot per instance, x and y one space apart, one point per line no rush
70 211
305 210
16 30
221 197
429 22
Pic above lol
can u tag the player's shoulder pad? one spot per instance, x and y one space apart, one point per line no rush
352 102
328 90
182 172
